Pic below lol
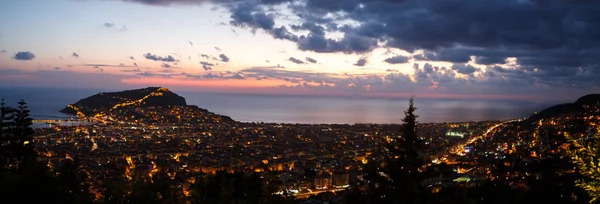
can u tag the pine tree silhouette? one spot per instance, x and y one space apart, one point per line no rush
397 179
6 122
22 142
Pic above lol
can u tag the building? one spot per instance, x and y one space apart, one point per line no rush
341 180
322 182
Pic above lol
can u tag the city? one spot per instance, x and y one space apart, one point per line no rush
300 160
299 101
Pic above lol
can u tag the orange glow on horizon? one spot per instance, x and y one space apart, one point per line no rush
208 83
270 86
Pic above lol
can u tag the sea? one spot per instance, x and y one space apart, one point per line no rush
46 103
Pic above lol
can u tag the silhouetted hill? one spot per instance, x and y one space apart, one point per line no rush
578 106
107 101
152 105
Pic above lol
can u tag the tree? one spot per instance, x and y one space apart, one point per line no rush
22 141
224 187
586 157
404 166
397 179
6 117
74 182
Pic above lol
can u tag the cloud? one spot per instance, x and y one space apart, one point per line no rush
217 49
57 68
464 68
131 57
249 15
60 78
165 65
226 75
108 25
205 56
361 62
490 60
311 60
106 65
445 55
294 60
399 59
132 70
2 51
168 58
224 58
206 65
75 55
537 43
114 26
135 64
24 56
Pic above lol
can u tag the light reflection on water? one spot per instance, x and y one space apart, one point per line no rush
302 109
53 124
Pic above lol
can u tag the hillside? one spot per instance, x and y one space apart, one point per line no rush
107 101
579 106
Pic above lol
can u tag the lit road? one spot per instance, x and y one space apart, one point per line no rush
308 194
461 146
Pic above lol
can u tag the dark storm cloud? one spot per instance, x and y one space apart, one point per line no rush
310 26
24 56
361 62
490 60
397 59
283 33
75 55
224 58
349 44
294 60
464 68
445 55
311 60
249 15
168 58
554 42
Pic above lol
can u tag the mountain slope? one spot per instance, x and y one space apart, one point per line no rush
579 106
108 101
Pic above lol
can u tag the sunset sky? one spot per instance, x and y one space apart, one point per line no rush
494 49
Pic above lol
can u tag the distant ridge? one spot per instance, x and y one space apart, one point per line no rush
107 101
567 108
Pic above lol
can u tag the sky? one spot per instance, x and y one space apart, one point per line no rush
494 49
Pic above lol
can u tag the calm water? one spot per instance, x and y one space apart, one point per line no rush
300 109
